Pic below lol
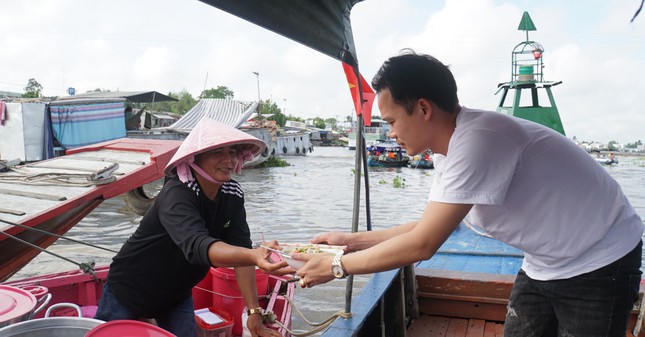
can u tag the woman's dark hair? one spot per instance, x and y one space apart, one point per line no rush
411 76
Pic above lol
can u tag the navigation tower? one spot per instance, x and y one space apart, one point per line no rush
527 95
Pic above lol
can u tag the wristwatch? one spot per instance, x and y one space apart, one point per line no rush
337 267
253 311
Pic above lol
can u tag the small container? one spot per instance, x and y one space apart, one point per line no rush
223 329
227 295
526 73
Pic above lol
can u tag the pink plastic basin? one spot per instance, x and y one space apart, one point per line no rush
16 305
128 328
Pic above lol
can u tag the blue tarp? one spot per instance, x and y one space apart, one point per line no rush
82 124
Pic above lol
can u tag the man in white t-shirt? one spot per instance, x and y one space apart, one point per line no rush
523 183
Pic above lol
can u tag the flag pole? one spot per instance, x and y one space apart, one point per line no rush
360 166
363 151
349 285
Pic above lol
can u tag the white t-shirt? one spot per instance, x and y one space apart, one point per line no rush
537 191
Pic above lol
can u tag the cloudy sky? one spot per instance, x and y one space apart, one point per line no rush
175 45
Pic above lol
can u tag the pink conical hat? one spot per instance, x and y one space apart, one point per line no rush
209 134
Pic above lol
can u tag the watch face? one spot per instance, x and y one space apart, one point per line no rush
336 267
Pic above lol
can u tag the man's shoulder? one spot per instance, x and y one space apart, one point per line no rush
487 121
467 114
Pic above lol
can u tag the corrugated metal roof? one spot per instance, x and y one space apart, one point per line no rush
226 111
82 101
133 96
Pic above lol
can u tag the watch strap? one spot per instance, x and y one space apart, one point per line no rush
254 311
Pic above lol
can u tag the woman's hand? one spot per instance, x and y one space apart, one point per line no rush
266 263
255 326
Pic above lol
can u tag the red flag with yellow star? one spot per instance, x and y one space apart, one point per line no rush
368 94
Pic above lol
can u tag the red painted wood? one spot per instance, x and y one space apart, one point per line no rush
439 326
429 326
499 330
475 296
490 330
457 328
15 255
476 328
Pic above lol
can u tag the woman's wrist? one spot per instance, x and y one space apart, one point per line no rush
254 311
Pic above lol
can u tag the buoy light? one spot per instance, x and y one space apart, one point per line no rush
537 53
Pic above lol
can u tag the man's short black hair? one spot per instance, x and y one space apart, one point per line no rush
411 76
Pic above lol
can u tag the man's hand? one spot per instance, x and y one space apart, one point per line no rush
316 271
333 238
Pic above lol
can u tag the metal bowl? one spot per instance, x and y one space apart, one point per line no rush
51 327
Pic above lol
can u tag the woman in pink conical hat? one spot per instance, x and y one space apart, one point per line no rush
197 221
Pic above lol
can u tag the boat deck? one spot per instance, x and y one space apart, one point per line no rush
42 200
438 326
462 291
50 187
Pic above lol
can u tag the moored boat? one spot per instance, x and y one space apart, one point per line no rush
373 134
51 196
462 290
609 159
422 161
606 161
387 154
76 288
293 140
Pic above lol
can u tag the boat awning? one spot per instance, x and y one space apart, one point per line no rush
132 96
226 111
160 115
322 25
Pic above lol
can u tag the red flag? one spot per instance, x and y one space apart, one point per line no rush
368 94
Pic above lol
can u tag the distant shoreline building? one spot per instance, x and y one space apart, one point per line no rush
10 94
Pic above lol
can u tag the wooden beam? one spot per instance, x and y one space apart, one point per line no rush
410 291
13 212
33 195
463 309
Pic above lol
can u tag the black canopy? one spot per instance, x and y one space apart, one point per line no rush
323 25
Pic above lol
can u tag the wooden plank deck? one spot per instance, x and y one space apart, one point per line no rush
437 326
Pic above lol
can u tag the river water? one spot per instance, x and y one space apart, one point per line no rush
292 204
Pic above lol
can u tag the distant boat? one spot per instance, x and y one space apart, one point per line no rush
244 116
294 139
387 154
422 160
377 131
51 196
607 161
